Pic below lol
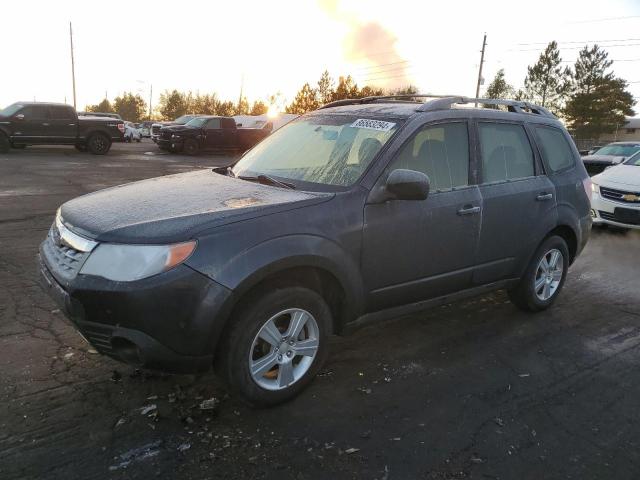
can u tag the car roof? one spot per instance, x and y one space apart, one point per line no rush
406 110
55 104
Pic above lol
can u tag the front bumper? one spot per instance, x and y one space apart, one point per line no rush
170 144
168 322
618 214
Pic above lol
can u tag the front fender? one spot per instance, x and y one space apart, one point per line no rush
249 267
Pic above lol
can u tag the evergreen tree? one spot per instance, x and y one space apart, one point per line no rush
130 107
599 100
547 83
499 88
325 88
305 101
259 108
104 106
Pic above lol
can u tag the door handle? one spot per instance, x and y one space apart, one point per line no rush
45 124
544 196
468 210
72 124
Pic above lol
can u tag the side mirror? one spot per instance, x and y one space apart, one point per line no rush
19 116
407 185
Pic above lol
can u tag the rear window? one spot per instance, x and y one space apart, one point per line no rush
506 152
555 149
619 150
61 113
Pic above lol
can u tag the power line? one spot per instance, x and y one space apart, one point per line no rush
381 65
573 48
606 19
584 41
391 70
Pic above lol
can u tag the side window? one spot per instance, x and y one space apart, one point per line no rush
213 123
440 151
61 113
36 112
556 152
228 123
506 152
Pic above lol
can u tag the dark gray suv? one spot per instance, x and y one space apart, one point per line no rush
361 210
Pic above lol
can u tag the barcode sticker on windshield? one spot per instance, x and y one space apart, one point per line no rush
373 124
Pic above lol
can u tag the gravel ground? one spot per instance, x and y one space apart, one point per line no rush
470 390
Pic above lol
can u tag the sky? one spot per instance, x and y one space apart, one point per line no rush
277 46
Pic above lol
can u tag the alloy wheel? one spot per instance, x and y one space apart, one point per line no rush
284 349
549 274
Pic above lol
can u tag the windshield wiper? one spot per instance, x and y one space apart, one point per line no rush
266 179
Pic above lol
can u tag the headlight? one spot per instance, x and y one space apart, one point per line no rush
126 263
595 188
175 136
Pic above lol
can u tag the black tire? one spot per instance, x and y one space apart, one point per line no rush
4 143
233 358
138 140
191 146
81 147
524 295
98 144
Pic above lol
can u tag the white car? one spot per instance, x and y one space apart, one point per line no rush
131 132
616 195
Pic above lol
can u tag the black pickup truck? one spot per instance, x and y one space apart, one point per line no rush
31 123
208 132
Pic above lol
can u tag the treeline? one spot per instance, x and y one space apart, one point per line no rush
588 96
327 90
173 103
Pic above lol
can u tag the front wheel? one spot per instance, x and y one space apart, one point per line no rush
544 278
276 346
98 144
4 143
191 147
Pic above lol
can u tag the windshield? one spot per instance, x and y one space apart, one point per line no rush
11 109
635 160
324 149
197 122
618 150
183 119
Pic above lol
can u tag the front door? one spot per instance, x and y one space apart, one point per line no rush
420 249
32 125
519 201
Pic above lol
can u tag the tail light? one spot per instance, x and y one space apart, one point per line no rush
121 127
587 184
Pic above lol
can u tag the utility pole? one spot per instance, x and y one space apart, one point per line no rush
484 44
241 88
73 67
150 97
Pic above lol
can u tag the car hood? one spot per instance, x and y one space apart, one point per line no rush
178 128
627 175
609 159
175 207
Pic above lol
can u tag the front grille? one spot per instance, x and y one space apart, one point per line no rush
620 195
63 261
98 336
166 135
620 217
156 129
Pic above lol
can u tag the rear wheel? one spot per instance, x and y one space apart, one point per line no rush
544 278
276 346
98 144
191 147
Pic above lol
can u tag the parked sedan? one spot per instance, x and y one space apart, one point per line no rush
616 195
609 155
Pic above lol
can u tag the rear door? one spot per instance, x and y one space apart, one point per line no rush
213 134
518 200
231 137
63 123
419 249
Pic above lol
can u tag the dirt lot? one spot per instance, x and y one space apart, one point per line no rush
470 390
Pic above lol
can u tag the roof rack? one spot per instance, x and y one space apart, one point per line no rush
444 102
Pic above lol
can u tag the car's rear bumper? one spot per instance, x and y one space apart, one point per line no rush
169 322
618 214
